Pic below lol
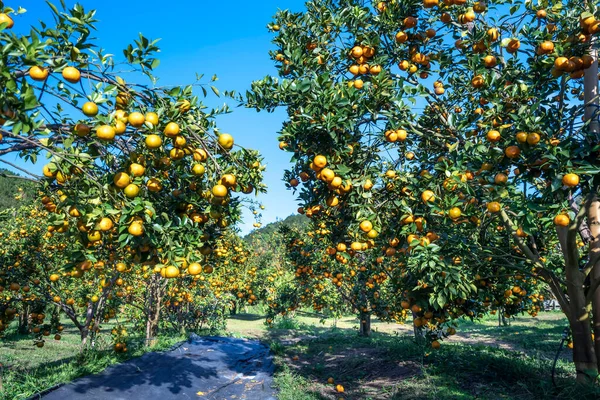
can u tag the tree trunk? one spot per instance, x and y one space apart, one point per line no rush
365 324
24 321
584 354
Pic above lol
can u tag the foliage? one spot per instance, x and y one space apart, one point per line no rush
446 155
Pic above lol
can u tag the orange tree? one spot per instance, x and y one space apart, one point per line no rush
453 141
139 180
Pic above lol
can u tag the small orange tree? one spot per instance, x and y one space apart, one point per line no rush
454 139
139 178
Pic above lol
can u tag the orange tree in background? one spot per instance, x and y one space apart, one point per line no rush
454 143
139 181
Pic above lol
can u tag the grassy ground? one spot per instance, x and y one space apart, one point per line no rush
26 370
483 361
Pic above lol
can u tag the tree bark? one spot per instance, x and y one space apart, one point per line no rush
365 324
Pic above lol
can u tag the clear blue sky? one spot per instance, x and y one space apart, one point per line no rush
226 38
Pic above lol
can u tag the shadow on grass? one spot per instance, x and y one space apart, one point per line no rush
247 317
388 366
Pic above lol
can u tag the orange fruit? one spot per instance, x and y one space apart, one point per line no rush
82 130
512 151
570 180
136 119
154 185
226 141
562 220
320 161
427 196
171 272
198 169
121 180
6 19
358 84
153 141
494 207
533 138
136 228
38 73
219 190
90 109
454 213
339 388
493 136
194 269
132 190
435 345
366 226
105 224
171 130
106 132
152 117
229 180
71 74
500 179
137 169
120 127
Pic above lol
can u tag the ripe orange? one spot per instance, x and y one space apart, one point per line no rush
136 119
339 388
427 196
494 207
136 228
194 269
219 191
105 224
171 272
366 226
570 180
512 151
94 236
229 180
500 178
121 180
6 19
320 162
132 190
547 46
106 132
493 136
90 109
533 138
401 37
153 141
198 169
154 185
489 61
54 277
454 213
171 130
152 117
477 81
137 169
226 141
38 73
562 220
71 74
358 84
435 345
120 127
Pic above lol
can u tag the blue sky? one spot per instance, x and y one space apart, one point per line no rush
226 38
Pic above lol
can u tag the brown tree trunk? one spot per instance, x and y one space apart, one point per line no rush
365 324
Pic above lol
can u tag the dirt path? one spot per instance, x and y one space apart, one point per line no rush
211 368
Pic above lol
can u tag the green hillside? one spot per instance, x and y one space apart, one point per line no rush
295 220
10 195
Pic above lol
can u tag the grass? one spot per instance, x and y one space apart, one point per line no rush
483 361
26 370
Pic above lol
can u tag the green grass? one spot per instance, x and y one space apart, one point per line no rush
388 365
27 370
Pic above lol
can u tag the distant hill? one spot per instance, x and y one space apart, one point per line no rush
295 220
10 196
